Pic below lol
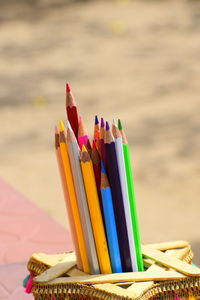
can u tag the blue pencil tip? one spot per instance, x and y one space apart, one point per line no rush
102 167
96 120
107 126
102 123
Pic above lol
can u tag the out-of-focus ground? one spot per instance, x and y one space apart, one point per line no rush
137 60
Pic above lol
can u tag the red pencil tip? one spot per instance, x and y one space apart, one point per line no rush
68 90
93 145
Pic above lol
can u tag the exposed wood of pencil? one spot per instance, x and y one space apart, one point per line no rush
100 143
123 135
115 131
81 128
113 176
73 201
67 201
96 165
96 129
82 202
104 181
95 212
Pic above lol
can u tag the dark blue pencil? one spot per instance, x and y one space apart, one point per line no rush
109 217
114 179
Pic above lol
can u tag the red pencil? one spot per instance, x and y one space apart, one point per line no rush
96 165
71 109
101 147
96 130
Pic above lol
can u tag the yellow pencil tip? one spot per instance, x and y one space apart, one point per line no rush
84 148
62 126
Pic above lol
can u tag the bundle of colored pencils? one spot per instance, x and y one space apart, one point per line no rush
98 188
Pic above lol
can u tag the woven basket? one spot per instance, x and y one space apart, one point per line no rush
169 275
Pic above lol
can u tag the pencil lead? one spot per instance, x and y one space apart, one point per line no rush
102 123
102 167
84 148
120 124
114 122
62 126
68 90
69 125
107 126
96 120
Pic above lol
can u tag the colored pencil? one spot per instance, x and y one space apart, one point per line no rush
124 187
67 200
95 212
101 141
134 217
110 222
72 197
71 108
114 179
96 161
82 201
82 134
96 130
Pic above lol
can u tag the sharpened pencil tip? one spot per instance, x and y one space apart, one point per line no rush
102 167
56 129
107 126
62 126
93 145
69 125
114 122
68 90
84 149
120 124
102 123
96 120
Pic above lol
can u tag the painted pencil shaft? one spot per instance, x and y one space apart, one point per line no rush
110 224
67 203
73 201
124 188
134 217
95 213
82 204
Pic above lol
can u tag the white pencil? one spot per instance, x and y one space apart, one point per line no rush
124 187
74 155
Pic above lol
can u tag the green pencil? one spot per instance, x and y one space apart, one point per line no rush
132 202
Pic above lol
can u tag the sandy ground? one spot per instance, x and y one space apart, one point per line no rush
137 60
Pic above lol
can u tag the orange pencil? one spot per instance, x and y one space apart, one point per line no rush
72 198
66 197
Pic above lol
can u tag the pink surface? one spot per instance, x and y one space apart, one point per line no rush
11 276
24 229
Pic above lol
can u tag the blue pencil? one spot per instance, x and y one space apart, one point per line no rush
109 216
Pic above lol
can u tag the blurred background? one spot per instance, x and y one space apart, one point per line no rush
137 60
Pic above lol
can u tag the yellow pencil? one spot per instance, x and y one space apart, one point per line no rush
72 197
95 212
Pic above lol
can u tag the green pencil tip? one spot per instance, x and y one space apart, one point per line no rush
120 124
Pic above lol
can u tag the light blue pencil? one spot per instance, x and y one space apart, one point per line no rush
109 216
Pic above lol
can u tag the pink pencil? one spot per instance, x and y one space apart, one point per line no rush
82 134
